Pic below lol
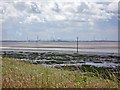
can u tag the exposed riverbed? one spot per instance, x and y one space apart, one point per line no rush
62 59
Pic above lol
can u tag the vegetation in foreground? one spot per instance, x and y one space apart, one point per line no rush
19 74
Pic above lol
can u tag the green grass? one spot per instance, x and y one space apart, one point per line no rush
19 74
102 72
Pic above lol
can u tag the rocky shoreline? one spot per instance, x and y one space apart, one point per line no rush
62 59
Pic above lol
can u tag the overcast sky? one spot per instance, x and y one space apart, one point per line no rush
59 19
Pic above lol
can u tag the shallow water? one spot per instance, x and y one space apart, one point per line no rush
87 63
96 48
63 47
48 63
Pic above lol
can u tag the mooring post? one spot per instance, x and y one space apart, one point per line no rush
37 38
77 45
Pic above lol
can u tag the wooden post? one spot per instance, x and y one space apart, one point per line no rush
77 45
27 39
37 38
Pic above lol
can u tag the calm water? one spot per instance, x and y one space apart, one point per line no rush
63 47
104 48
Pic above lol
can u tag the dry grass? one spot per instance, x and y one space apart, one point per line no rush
19 74
0 73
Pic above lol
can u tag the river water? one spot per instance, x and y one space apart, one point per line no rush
96 48
63 47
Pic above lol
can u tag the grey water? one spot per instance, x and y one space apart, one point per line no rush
54 63
94 48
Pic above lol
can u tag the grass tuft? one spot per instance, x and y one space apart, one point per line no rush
20 74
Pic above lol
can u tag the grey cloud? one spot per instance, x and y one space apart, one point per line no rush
32 7
82 7
79 12
56 8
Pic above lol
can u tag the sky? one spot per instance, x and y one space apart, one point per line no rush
59 19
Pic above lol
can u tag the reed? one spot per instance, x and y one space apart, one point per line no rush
20 74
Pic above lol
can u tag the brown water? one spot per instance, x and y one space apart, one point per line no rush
66 47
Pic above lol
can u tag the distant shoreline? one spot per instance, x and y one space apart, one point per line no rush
56 41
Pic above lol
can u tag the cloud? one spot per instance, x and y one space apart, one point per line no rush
32 18
44 16
55 11
113 6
